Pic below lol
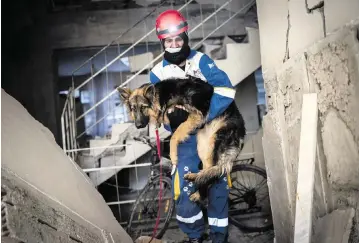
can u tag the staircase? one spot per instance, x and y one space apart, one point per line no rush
119 151
233 7
242 58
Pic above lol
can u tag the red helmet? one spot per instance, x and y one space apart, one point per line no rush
170 23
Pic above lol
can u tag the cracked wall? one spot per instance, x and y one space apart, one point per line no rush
311 46
299 24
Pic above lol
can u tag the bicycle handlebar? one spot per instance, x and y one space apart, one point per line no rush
155 160
146 140
142 139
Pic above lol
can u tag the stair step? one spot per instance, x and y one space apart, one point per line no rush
117 157
242 58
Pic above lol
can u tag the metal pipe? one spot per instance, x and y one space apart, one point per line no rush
121 202
65 105
116 167
102 147
63 134
63 125
67 130
73 123
107 89
132 201
74 113
70 128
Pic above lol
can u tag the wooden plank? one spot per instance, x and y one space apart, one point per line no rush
306 169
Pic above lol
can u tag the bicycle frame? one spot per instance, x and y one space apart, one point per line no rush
245 164
155 161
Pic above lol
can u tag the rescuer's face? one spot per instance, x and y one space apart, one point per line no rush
173 42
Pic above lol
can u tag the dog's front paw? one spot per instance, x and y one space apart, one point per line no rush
195 197
190 176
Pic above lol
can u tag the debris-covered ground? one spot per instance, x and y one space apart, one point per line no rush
235 235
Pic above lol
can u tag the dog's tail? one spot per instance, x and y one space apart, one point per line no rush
208 177
223 167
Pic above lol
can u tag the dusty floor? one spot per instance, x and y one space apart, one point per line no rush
235 236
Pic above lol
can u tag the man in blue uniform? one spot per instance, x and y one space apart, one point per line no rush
180 61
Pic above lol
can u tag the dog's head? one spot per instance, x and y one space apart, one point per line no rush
139 103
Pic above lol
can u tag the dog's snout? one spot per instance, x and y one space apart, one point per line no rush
139 124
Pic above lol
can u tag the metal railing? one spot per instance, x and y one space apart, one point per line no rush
68 125
94 171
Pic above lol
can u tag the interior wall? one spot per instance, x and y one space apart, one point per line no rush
98 28
27 61
310 46
246 100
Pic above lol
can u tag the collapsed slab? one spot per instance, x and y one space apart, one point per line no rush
47 194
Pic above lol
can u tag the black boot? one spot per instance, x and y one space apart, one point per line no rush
219 238
193 240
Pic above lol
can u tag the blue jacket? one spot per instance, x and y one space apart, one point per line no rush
201 66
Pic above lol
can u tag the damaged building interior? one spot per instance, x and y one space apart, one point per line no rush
76 168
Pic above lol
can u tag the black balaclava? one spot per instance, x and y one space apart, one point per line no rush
180 55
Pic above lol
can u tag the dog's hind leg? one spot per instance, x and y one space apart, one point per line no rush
206 140
193 121
226 151
224 165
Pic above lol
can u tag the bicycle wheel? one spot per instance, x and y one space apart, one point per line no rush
249 206
144 213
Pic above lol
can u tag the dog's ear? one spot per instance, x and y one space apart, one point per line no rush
149 91
124 93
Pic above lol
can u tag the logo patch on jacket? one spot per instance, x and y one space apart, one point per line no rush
211 65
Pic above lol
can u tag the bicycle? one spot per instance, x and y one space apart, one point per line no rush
243 218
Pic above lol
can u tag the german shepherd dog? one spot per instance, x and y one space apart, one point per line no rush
219 141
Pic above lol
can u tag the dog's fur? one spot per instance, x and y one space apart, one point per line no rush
219 142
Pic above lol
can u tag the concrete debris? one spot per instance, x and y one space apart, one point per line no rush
334 227
175 235
26 218
147 239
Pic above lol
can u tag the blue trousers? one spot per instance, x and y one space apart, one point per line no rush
188 214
